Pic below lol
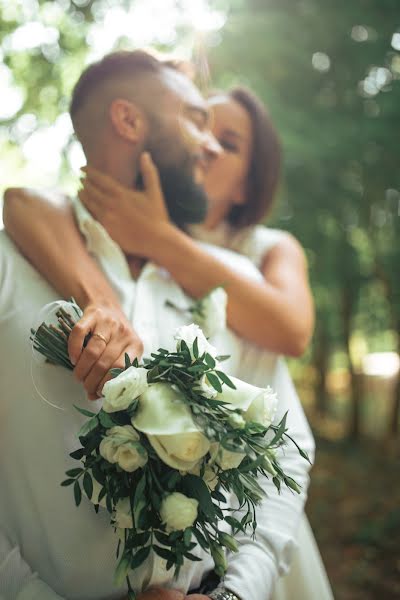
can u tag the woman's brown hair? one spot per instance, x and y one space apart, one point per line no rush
265 162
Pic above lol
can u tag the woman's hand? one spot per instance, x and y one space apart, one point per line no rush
111 338
131 217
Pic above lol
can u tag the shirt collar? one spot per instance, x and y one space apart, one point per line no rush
102 246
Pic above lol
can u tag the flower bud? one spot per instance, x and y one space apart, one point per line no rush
121 571
268 466
236 421
218 554
228 541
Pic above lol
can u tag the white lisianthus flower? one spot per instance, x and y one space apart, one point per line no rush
121 445
168 423
205 388
257 404
213 309
121 391
236 421
178 511
188 334
123 515
225 459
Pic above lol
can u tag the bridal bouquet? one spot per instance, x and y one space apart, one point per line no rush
175 435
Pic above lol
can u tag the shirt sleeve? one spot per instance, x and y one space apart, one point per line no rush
253 571
17 580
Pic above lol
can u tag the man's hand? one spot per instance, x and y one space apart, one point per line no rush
158 593
196 597
111 338
133 218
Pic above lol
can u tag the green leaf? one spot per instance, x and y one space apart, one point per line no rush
225 379
105 420
280 430
67 482
98 474
196 488
222 357
209 360
83 411
234 523
140 539
214 381
139 499
200 538
218 496
192 557
77 493
127 361
88 485
73 472
162 538
196 348
88 427
187 536
78 454
140 556
164 553
115 372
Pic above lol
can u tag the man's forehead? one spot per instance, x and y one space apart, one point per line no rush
183 91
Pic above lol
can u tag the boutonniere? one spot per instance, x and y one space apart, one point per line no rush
208 312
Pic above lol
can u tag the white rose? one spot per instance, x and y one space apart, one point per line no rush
178 511
257 404
121 445
168 423
213 307
121 391
123 514
188 334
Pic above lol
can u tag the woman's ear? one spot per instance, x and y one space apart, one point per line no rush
128 120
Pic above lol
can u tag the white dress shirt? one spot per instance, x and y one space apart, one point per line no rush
49 548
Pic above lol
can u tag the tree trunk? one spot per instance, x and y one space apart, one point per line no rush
321 360
355 378
394 317
395 416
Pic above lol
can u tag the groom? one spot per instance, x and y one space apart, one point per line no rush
123 105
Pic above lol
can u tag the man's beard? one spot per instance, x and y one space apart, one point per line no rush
186 201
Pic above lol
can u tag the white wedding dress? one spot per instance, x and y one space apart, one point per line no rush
307 579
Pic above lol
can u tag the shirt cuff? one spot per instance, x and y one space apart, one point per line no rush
243 581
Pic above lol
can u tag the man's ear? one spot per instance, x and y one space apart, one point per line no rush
128 120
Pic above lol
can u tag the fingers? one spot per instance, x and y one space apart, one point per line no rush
149 172
107 184
94 198
77 337
158 593
152 184
89 357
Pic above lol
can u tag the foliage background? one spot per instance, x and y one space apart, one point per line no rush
329 73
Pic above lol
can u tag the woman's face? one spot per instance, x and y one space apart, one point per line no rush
225 180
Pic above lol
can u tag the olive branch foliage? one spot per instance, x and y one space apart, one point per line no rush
147 486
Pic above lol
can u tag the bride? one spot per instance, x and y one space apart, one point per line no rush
277 315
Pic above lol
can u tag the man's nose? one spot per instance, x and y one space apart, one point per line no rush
211 145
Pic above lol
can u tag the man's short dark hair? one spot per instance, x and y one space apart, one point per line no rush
112 66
